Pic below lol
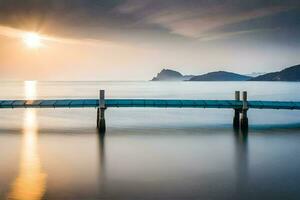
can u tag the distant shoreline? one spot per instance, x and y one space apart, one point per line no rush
290 74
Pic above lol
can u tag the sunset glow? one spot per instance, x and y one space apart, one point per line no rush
32 40
149 99
30 183
30 90
61 41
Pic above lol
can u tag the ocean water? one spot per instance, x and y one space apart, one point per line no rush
148 153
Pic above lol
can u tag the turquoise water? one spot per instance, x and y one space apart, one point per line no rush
148 153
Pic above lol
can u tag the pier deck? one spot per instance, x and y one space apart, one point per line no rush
240 119
158 103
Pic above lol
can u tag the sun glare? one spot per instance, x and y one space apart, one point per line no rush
30 90
32 40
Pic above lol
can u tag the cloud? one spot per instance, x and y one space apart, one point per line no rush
219 36
138 20
14 33
196 19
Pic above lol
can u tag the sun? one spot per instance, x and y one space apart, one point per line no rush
32 40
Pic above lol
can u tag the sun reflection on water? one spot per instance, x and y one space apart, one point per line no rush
30 91
31 181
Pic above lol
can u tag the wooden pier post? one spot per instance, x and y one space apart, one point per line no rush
244 118
100 113
236 118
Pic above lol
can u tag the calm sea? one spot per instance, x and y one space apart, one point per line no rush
148 153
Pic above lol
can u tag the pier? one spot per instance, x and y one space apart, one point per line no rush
238 104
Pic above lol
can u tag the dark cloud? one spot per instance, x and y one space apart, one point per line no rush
140 19
197 18
32 13
289 19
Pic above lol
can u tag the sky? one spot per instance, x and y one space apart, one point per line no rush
135 39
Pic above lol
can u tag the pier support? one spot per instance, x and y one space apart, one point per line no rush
244 118
101 113
236 118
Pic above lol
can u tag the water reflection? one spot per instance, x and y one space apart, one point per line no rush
30 91
31 181
102 167
241 161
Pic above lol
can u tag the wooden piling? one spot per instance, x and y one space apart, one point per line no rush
244 118
101 113
98 116
236 118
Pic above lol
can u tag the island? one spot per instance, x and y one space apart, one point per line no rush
288 74
171 75
220 76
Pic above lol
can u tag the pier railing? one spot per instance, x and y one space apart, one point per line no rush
240 119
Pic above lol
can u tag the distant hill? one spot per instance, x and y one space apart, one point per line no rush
288 74
255 74
170 75
220 76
